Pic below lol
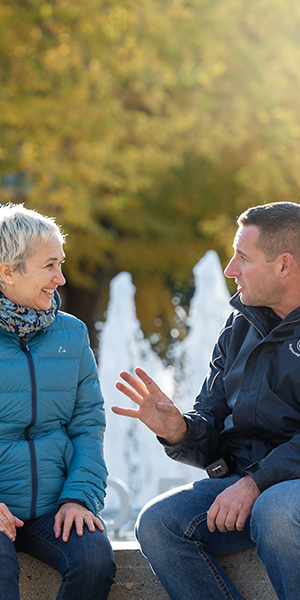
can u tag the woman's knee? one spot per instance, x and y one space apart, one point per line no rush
9 563
93 552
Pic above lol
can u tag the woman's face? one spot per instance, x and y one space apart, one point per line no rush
42 275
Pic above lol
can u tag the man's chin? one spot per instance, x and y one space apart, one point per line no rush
244 299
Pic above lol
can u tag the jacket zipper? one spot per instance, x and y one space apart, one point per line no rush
25 349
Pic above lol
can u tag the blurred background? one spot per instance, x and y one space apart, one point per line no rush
145 127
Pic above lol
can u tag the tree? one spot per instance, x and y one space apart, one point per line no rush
145 127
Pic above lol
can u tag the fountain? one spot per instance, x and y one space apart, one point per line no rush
132 453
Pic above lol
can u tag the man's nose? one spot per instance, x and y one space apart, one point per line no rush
231 269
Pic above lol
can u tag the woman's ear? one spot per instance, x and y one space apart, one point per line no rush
7 273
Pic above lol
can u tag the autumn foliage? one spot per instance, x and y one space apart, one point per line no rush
145 127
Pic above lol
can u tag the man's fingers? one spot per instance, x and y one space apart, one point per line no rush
211 518
226 520
241 522
169 408
126 412
137 385
133 395
233 506
151 386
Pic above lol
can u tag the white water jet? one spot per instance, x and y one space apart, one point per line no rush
132 452
209 309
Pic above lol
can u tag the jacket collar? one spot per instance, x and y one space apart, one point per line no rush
257 315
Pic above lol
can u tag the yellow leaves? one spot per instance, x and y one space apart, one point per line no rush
54 58
28 154
64 49
102 102
19 51
262 116
46 10
261 156
36 33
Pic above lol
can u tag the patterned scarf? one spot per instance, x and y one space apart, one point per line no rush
22 320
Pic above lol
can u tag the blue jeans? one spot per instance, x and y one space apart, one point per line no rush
85 563
173 534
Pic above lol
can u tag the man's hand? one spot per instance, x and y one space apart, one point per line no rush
155 410
70 513
233 506
8 522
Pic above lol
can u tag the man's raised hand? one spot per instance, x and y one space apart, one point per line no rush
155 409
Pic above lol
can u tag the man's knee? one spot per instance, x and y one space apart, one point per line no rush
147 526
276 513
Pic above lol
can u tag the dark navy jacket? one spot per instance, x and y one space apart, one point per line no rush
249 403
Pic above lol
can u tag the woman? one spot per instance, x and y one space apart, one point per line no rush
52 470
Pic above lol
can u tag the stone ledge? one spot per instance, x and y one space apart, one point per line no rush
135 580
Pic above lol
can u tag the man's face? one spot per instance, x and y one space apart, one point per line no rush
256 279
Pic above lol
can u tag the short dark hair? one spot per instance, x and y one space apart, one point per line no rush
279 224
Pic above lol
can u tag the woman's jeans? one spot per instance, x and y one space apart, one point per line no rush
85 563
173 534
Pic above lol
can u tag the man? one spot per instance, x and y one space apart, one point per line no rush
244 428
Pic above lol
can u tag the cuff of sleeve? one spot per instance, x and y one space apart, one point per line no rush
183 442
264 477
65 500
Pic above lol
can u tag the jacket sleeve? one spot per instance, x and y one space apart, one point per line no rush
281 464
205 421
87 474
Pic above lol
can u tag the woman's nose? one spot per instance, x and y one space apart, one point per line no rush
59 278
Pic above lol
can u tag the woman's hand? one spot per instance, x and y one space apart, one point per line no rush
9 523
155 410
70 513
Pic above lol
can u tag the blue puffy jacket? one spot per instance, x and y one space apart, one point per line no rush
51 420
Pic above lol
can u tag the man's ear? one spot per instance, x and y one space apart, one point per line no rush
286 263
7 273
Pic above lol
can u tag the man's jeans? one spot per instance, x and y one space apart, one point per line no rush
85 563
173 534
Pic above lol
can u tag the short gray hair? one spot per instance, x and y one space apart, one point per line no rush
279 225
19 230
